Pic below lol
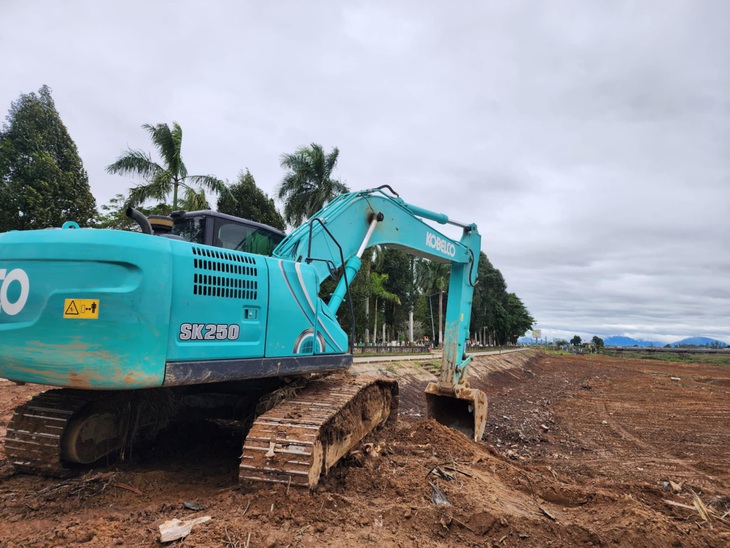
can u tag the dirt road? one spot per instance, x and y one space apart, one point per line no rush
579 450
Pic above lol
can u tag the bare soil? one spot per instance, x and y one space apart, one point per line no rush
579 450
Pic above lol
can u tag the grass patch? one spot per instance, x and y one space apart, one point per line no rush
387 354
683 357
556 352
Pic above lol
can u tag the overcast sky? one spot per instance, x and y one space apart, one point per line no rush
590 141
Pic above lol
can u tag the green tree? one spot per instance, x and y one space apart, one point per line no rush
433 277
113 215
598 341
498 315
308 184
576 340
42 178
360 295
372 259
520 319
246 200
377 286
160 180
397 265
193 200
489 306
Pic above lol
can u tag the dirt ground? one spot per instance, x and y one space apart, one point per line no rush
579 450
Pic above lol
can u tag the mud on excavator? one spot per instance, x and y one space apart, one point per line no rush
202 309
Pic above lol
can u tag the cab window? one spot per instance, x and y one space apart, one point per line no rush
191 229
242 237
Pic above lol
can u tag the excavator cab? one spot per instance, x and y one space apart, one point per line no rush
224 231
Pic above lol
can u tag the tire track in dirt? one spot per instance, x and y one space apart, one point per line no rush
641 454
631 421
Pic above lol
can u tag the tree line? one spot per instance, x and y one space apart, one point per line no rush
596 341
395 296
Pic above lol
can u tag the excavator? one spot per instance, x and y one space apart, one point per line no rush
194 310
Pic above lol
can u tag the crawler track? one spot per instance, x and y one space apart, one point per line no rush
34 437
299 440
59 430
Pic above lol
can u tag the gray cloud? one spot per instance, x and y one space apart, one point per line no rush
589 141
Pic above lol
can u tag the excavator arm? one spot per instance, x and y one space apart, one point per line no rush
338 235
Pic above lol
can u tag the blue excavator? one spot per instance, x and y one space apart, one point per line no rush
194 310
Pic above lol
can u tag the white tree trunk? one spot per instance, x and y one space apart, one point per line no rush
367 321
375 324
441 319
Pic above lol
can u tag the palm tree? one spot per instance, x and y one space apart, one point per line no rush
372 257
194 200
308 185
377 286
165 178
433 278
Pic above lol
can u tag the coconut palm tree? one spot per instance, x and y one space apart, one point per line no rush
308 184
193 200
377 287
371 258
165 177
433 277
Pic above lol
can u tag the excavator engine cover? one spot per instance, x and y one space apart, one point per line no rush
458 407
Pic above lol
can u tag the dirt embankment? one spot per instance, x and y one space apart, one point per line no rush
579 450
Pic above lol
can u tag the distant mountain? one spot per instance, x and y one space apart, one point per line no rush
616 340
628 341
699 341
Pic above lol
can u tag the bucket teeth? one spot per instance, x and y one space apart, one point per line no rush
302 438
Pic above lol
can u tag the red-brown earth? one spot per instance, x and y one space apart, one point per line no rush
579 450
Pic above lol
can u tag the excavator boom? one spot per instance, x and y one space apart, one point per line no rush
373 217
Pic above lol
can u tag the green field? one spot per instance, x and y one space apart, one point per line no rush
684 357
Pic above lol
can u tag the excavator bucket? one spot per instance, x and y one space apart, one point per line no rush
458 407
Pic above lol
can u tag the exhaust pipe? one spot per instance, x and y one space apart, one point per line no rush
142 221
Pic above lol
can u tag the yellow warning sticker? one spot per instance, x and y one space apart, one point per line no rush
81 309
